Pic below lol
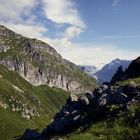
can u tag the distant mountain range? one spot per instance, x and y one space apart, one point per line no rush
106 73
90 70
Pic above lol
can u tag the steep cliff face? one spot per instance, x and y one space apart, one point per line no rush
40 64
134 69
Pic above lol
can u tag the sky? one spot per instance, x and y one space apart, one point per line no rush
86 32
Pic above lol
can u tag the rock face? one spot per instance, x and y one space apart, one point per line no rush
118 76
40 64
88 107
132 71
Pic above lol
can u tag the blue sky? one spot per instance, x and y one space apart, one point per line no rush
86 32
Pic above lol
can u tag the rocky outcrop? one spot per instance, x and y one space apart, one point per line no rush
132 71
83 109
5 32
118 76
19 104
4 48
40 64
38 76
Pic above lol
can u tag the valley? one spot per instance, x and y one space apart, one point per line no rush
43 96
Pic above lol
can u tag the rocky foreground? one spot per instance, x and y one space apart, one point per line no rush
81 110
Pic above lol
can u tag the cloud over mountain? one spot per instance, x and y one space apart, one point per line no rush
60 23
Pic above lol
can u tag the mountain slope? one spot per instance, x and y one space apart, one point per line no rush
134 68
110 112
40 64
106 73
25 106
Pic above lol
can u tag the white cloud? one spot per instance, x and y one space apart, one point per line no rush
62 11
71 32
13 9
17 15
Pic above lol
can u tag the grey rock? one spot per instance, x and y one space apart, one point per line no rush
132 84
4 48
84 100
103 100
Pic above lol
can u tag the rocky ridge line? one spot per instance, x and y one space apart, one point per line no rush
40 64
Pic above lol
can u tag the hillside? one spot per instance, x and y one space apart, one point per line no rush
40 64
108 113
25 106
111 111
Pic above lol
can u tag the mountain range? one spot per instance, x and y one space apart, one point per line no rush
105 74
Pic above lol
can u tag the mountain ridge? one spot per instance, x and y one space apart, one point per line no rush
106 73
40 64
108 70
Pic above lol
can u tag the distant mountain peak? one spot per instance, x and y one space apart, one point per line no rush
106 73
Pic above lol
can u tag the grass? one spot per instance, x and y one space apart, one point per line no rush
12 123
136 80
120 127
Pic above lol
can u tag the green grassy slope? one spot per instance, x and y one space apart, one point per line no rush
14 90
136 80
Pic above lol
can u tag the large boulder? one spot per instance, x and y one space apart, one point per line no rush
103 100
31 135
131 90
